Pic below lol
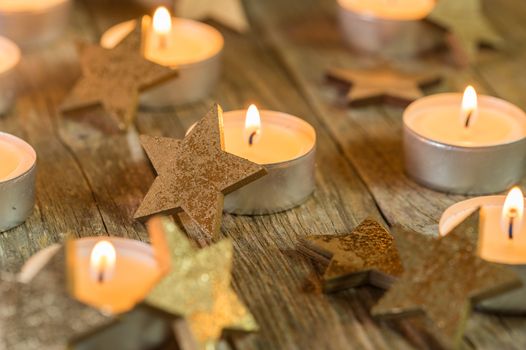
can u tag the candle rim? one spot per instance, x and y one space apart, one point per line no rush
240 113
484 101
346 5
28 6
12 53
27 162
106 42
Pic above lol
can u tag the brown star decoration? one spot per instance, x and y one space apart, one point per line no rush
197 284
227 12
113 79
42 315
468 26
382 84
195 173
442 277
367 255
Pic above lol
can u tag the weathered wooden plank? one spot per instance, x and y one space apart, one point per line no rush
370 137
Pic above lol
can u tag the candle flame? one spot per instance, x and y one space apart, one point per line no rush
512 212
252 125
162 21
469 106
102 261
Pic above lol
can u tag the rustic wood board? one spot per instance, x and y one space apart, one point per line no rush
90 183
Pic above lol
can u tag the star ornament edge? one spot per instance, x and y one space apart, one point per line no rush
405 298
238 173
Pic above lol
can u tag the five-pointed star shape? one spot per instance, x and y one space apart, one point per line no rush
114 78
442 277
467 23
382 83
195 173
228 12
197 284
367 255
45 315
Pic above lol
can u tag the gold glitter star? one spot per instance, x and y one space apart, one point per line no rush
227 12
367 255
113 78
442 277
467 23
195 173
382 84
197 284
45 315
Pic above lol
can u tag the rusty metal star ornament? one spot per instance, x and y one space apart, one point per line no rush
442 278
468 25
368 255
45 315
382 84
113 79
195 173
227 12
197 284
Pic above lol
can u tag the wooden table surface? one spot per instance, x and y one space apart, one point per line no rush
90 182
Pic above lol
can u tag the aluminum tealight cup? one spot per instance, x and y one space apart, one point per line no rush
17 193
196 80
386 37
458 169
35 25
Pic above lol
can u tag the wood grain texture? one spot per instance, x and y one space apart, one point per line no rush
90 182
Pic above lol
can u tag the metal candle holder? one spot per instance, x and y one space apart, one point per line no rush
512 302
8 79
287 184
457 169
17 195
195 80
35 27
139 328
386 37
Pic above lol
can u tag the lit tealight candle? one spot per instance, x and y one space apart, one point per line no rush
17 181
464 143
191 47
388 27
502 240
111 274
33 22
9 60
285 145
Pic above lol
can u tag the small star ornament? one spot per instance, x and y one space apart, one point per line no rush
227 12
113 79
367 255
468 26
442 278
197 285
195 173
42 314
382 84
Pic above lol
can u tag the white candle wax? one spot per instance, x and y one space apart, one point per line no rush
402 10
28 5
136 271
437 118
16 157
188 42
494 244
282 137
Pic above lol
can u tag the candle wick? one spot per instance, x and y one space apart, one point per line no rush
510 227
251 138
468 118
101 276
